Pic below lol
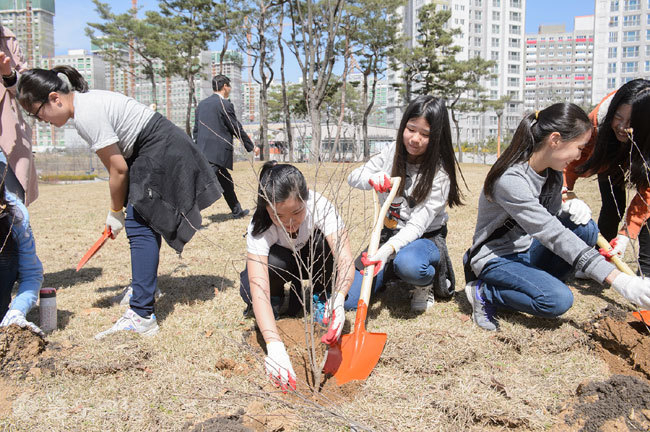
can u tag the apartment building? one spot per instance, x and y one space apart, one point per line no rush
559 64
621 44
33 24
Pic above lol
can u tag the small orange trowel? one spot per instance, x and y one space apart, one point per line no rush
94 248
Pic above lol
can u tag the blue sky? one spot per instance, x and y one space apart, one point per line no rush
72 15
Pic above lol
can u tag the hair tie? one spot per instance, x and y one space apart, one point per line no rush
66 81
537 115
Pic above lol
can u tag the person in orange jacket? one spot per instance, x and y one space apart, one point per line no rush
608 156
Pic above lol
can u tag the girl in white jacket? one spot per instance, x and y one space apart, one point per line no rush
423 157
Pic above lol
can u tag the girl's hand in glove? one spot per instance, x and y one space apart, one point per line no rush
380 181
579 212
14 316
619 244
378 259
335 316
633 288
115 221
278 366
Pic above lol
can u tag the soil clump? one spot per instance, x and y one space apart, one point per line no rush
621 403
19 350
622 340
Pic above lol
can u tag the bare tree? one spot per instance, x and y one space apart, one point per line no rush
314 30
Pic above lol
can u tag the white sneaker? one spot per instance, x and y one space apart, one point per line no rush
131 321
422 299
124 298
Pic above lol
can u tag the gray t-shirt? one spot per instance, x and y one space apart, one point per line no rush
516 195
103 118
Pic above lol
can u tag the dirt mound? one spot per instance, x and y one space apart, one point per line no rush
623 341
618 404
19 350
292 331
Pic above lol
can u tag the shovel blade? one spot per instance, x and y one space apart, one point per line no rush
334 358
360 352
643 316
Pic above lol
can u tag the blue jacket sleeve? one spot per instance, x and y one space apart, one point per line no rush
30 269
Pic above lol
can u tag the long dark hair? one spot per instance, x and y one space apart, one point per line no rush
278 183
439 152
639 157
35 85
568 119
609 152
7 241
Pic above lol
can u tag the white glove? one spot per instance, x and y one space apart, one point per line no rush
379 258
579 212
380 181
278 366
619 244
115 221
14 316
633 288
335 315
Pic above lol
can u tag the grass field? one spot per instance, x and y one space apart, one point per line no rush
437 372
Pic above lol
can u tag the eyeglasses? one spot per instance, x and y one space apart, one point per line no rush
35 115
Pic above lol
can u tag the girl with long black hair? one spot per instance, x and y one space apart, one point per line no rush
608 155
295 234
526 243
415 229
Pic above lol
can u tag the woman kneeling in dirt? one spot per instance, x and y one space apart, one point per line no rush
18 260
295 234
527 241
416 225
154 169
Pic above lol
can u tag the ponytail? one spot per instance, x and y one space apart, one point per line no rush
35 85
568 119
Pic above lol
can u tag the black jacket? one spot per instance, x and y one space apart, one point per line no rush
170 182
215 124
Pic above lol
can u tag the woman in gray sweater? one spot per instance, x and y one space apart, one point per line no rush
527 241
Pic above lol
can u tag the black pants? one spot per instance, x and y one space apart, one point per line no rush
225 180
315 257
611 213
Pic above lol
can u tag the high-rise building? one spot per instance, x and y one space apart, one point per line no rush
32 21
559 64
621 44
493 30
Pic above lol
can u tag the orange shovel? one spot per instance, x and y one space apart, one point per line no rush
360 350
643 316
94 248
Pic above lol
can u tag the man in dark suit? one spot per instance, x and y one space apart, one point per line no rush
215 124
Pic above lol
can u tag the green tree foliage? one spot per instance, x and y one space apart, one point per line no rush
119 33
187 27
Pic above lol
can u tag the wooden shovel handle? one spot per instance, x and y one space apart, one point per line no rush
603 243
366 284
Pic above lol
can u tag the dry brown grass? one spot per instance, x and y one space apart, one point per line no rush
438 371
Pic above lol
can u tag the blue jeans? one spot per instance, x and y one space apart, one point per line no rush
145 254
414 264
532 281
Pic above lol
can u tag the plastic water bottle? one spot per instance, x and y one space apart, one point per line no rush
47 309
